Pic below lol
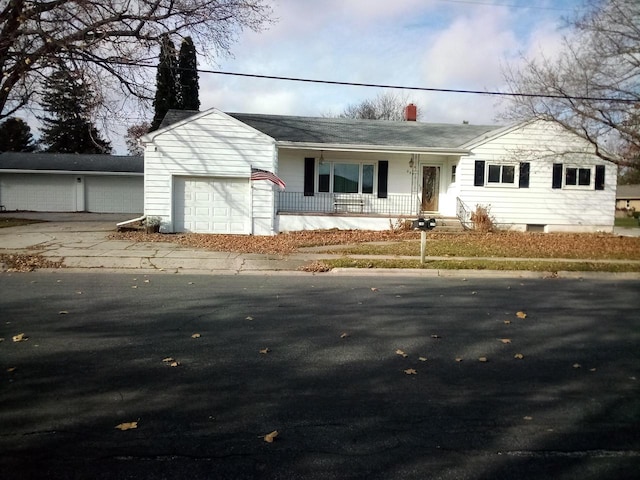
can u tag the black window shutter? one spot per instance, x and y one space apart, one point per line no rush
383 177
557 176
599 177
309 172
478 177
524 174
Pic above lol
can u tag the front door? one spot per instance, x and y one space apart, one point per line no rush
430 188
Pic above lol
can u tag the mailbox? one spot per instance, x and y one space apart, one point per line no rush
424 224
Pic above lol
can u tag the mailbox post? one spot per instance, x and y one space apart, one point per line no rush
423 225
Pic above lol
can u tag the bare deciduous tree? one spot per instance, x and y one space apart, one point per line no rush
592 88
385 106
110 38
134 132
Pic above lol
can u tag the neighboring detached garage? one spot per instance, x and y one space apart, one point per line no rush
56 182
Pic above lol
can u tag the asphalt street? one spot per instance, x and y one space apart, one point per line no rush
361 377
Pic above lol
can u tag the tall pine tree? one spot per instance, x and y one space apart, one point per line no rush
70 101
188 75
166 83
15 136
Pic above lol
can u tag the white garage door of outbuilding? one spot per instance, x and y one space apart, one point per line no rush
38 192
114 194
212 205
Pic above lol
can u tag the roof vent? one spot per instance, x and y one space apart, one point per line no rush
410 113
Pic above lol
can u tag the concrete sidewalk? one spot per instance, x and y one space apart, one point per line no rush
81 241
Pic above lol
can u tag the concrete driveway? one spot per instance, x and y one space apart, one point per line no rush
81 240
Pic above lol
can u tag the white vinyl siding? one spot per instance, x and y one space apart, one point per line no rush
539 144
210 144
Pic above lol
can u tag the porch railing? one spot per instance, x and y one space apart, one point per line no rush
395 204
463 213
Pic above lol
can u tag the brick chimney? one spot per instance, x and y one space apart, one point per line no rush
410 113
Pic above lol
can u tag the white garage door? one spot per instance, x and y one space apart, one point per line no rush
38 192
114 194
212 205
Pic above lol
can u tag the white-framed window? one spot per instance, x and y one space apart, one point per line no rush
453 173
502 174
337 177
578 177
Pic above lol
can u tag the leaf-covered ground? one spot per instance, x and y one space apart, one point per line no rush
500 244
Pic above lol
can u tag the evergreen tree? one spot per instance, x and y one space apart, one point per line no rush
15 136
68 129
188 75
166 83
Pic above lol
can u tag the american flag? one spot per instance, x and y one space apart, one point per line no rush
257 174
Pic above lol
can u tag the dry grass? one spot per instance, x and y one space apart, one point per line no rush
499 244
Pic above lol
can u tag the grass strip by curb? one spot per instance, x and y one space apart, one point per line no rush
535 266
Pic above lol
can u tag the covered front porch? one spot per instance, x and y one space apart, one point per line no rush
363 190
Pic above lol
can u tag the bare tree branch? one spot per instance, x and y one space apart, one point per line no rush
598 66
111 38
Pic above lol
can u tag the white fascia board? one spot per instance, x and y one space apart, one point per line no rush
72 172
148 137
372 148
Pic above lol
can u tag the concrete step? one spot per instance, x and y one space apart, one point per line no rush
446 224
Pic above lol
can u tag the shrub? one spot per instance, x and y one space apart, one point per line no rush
482 219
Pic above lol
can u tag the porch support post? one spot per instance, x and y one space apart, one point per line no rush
423 245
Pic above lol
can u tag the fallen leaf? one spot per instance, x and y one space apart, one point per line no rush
422 359
127 426
147 281
264 351
344 335
521 314
474 293
174 364
168 359
190 283
593 369
519 356
11 369
249 318
410 371
79 292
196 335
528 418
401 353
63 312
134 286
505 340
374 289
483 359
577 365
435 336
507 322
20 338
270 437
458 359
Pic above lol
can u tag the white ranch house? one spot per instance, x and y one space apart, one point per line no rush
359 174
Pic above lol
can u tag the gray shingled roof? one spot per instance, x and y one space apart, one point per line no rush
71 162
346 131
628 192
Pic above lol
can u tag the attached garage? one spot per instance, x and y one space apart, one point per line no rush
71 183
212 205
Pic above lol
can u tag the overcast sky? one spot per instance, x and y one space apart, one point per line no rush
451 44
